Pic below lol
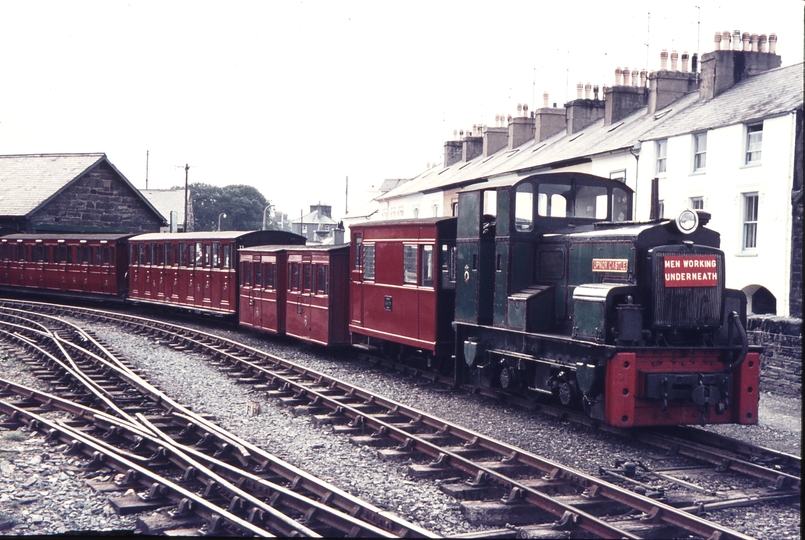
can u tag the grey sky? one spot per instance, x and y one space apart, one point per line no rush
292 97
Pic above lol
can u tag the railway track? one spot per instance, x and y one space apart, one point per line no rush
526 485
218 483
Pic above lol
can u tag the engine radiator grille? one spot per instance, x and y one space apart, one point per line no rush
688 287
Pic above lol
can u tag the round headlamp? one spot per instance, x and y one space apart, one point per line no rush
687 221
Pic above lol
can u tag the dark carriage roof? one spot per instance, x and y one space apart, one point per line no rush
64 236
246 238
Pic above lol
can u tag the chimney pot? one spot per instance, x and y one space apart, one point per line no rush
520 109
762 43
674 60
736 40
617 76
664 59
725 40
717 40
545 102
579 89
745 37
643 78
587 88
595 91
635 79
554 104
455 133
754 39
772 43
685 57
625 73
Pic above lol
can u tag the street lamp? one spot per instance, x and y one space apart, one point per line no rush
221 215
264 215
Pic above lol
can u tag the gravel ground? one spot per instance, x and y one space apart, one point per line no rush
34 489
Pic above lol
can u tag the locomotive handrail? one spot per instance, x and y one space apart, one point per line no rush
735 320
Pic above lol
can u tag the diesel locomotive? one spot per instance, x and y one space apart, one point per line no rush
543 287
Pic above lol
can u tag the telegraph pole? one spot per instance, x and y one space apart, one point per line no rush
186 193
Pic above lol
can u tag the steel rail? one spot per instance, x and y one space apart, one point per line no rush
185 457
245 453
123 464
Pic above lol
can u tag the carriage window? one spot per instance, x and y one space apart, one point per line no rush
308 275
227 262
269 275
524 208
369 262
409 264
258 278
182 254
293 276
448 262
322 279
591 202
46 254
358 251
105 255
427 266
69 254
621 211
85 255
154 255
246 271
96 255
207 254
216 247
199 256
168 254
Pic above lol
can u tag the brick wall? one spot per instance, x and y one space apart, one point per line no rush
98 201
781 361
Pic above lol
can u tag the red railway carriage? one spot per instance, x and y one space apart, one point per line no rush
195 270
402 286
297 291
74 264
262 288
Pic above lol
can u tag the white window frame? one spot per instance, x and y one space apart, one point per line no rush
699 165
619 175
753 144
662 156
749 220
696 203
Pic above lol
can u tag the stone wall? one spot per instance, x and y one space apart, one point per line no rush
781 361
99 201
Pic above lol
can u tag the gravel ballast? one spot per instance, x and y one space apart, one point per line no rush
296 439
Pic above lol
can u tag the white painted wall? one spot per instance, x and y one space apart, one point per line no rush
722 186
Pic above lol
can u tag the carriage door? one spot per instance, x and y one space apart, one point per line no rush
306 296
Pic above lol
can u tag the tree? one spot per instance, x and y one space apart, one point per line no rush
243 206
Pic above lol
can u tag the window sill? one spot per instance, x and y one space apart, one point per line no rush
746 254
700 172
751 165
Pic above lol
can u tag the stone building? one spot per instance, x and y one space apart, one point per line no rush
318 225
77 193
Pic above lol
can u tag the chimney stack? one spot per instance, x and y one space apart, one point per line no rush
724 68
665 86
521 130
547 121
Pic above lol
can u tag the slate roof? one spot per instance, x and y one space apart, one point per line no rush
765 95
29 181
768 94
165 201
